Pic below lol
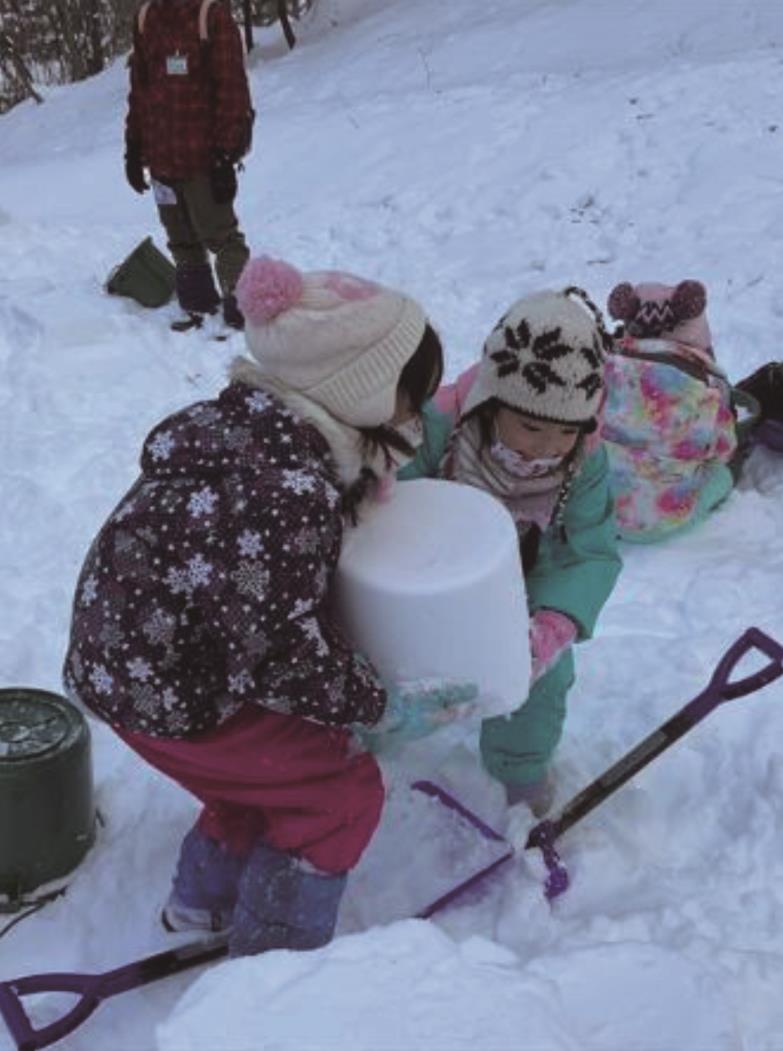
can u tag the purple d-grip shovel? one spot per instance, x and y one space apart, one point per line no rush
718 690
93 989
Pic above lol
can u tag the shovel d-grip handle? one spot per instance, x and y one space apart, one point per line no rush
752 639
92 989
719 689
28 1038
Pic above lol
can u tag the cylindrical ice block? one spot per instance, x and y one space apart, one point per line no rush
430 585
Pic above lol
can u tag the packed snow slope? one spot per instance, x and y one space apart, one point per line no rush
469 153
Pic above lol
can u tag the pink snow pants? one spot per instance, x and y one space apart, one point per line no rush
301 786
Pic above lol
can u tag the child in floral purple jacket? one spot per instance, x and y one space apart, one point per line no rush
201 627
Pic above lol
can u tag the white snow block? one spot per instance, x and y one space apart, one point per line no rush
430 585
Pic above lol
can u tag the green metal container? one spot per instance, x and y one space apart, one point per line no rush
47 813
146 275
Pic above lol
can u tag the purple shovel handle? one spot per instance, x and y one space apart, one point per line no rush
718 690
92 989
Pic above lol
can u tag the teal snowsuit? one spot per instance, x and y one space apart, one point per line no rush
574 573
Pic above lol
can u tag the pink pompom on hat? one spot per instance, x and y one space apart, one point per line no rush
338 339
266 288
655 311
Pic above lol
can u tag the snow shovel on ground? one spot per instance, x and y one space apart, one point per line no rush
486 848
95 988
718 690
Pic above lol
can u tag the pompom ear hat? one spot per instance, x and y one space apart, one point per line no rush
337 339
655 311
545 358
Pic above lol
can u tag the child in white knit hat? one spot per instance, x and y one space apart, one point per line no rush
357 360
202 631
525 429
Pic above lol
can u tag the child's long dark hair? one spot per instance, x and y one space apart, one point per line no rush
419 380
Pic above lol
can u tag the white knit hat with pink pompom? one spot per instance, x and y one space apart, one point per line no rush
338 339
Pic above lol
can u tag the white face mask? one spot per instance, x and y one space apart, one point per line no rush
516 464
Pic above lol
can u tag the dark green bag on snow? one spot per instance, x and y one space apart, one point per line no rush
146 276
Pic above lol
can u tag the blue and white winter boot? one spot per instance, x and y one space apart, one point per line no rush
205 886
283 904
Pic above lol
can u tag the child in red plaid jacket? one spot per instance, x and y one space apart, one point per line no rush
189 122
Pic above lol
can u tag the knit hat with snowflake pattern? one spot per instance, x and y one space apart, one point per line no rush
337 339
545 358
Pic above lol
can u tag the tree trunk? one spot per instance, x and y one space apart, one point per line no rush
10 57
95 59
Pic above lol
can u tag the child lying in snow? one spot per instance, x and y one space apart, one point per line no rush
523 425
668 422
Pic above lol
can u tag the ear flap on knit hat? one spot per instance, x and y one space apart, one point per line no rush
579 293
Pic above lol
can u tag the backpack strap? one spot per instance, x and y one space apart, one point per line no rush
684 357
142 16
203 18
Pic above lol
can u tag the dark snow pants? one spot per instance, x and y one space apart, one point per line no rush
196 225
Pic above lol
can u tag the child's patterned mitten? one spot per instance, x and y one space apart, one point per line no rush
415 710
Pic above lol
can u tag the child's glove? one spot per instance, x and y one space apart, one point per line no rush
417 710
551 633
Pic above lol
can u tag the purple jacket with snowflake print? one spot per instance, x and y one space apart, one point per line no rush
207 588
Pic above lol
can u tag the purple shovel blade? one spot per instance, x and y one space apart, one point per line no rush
467 880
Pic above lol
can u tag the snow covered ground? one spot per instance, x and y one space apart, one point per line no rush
468 152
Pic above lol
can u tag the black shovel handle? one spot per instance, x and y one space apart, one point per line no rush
92 989
718 690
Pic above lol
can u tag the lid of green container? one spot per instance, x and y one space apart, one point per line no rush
32 723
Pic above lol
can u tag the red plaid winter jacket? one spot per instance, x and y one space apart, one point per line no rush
187 97
208 587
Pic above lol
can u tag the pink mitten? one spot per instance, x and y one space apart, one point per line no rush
550 634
